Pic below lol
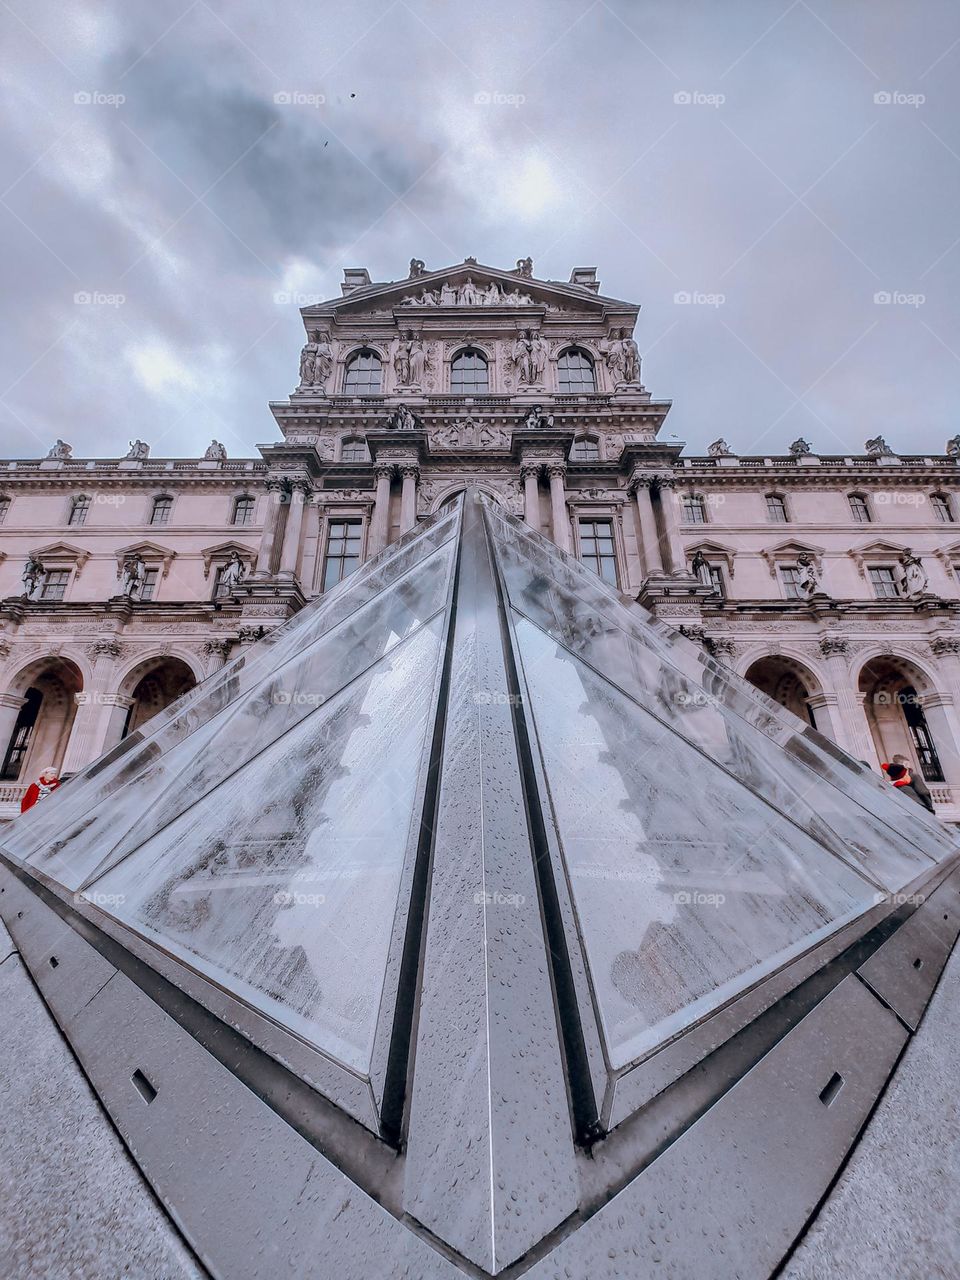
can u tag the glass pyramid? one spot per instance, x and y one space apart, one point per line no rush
479 837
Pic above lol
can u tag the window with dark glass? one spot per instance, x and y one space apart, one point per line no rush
716 577
364 374
55 584
694 509
79 508
597 548
243 509
148 588
20 738
942 508
776 508
353 451
162 507
4 508
469 375
930 765
344 538
575 372
584 451
883 582
859 508
790 577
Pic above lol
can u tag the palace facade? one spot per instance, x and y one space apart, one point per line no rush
831 582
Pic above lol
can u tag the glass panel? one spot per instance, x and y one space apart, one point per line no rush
812 779
281 883
688 887
66 812
177 774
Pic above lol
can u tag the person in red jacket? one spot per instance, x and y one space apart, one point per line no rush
906 781
47 782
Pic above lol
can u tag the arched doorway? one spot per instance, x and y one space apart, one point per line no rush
44 719
894 692
151 688
785 681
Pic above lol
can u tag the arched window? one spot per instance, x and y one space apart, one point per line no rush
364 374
353 451
162 506
584 451
243 509
575 372
942 508
79 508
468 374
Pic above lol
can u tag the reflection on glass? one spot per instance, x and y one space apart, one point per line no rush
281 882
810 779
687 886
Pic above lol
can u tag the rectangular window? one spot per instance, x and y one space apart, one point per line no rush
161 510
694 509
55 584
78 510
790 577
716 577
243 510
776 509
859 508
148 589
942 509
4 508
884 583
344 538
597 549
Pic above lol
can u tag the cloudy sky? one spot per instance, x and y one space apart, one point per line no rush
199 169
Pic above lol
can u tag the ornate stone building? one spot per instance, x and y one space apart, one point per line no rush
829 581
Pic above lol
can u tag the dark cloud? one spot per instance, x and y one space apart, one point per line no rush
737 152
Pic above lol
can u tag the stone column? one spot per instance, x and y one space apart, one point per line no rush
96 709
557 472
848 719
530 474
290 552
271 527
380 524
671 550
115 709
10 704
410 475
649 541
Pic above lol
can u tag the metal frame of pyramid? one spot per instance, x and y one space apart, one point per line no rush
475 923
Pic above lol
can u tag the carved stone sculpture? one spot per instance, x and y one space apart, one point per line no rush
909 576
537 419
525 267
409 363
719 449
800 447
701 569
953 447
403 419
417 268
316 359
139 450
808 575
61 450
234 572
32 577
530 358
216 452
132 575
623 358
878 448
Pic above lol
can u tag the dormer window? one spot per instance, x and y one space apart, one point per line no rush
364 375
575 374
469 375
